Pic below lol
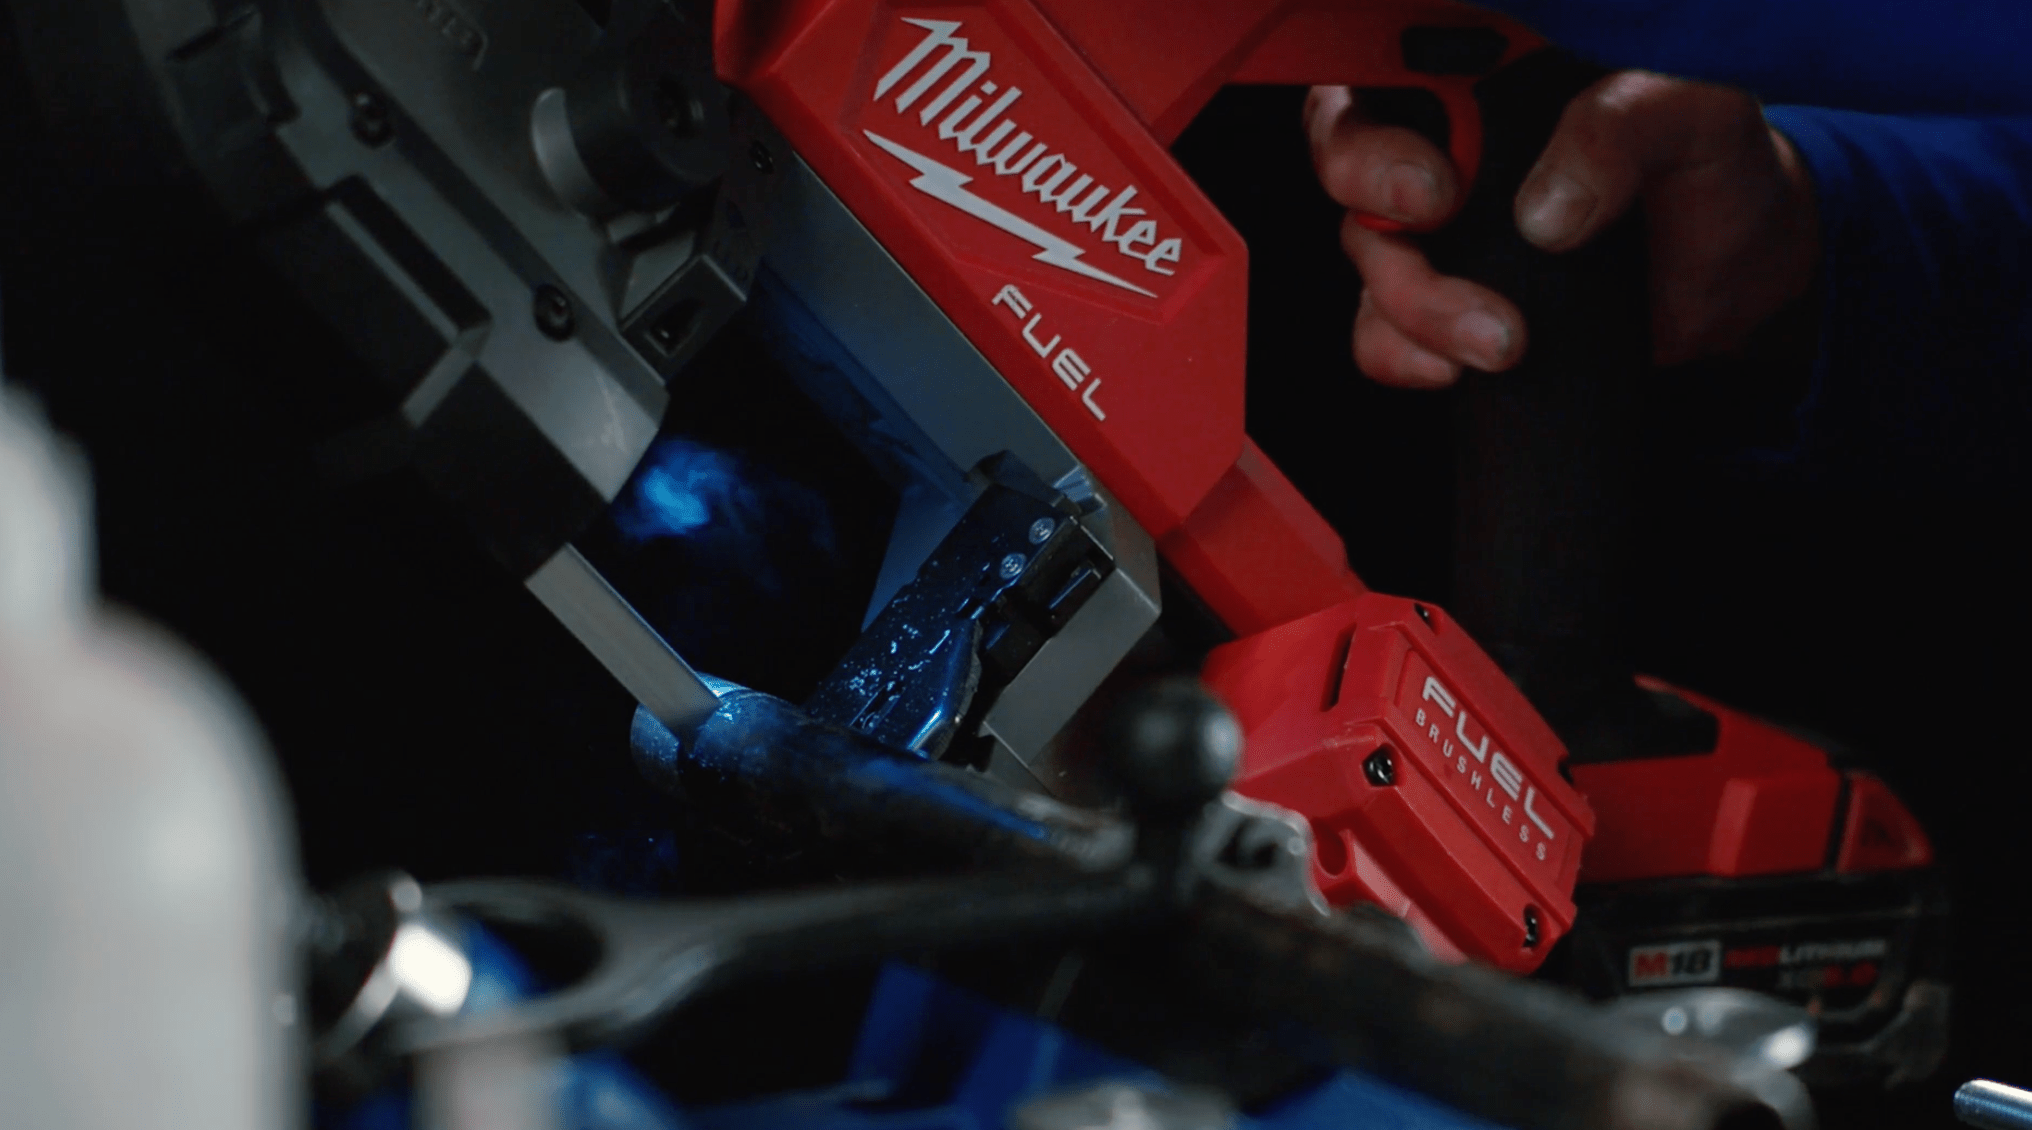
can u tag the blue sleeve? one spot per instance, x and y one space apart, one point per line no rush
1886 56
1925 368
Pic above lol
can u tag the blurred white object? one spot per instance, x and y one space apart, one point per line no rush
146 859
1760 1037
1776 1033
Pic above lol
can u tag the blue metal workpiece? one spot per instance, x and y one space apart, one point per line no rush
934 1057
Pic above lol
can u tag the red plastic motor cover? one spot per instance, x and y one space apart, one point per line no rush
1470 834
1763 803
1879 833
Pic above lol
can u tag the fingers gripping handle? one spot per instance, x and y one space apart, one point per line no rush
1546 450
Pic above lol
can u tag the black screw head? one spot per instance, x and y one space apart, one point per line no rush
370 120
1380 768
1173 749
1531 928
554 314
764 161
1424 613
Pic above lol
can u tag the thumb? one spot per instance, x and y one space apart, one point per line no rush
1608 140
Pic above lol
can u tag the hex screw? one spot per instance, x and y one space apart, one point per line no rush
553 310
1380 768
1012 566
1530 927
370 120
1040 531
764 161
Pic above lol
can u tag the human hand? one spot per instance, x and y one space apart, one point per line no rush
1733 229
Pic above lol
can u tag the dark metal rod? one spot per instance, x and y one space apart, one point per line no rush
655 957
1503 1049
762 761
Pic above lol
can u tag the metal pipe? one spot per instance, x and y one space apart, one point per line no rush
1993 1106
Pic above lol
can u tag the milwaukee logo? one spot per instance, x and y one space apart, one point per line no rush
943 79
1503 780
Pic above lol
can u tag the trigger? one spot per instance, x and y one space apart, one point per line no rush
1466 51
1411 107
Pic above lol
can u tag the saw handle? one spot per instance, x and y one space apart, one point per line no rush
1547 459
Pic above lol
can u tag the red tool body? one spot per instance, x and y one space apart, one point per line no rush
1011 156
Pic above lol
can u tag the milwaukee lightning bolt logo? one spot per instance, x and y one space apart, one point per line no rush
997 143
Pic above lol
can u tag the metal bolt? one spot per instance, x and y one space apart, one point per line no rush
370 120
677 111
765 162
1012 566
1249 849
1530 927
554 314
1380 768
1424 613
1040 531
1979 1102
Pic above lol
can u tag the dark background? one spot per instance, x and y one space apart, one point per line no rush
428 714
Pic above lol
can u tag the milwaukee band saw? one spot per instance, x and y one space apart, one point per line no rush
968 245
